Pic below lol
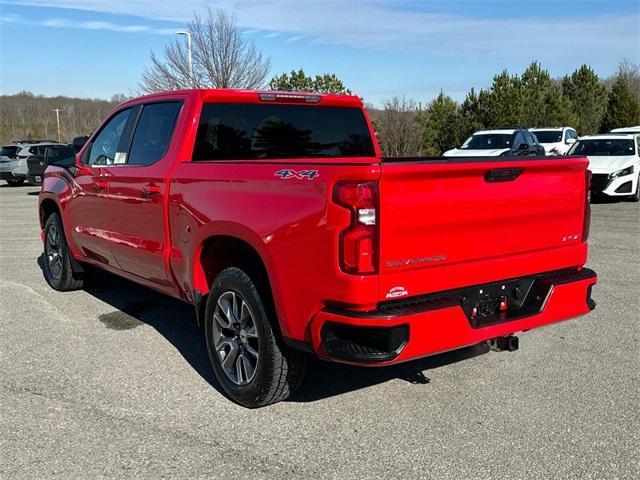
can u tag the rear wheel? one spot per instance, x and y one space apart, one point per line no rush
15 182
249 359
57 257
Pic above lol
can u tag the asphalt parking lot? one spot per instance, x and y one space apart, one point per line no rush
114 381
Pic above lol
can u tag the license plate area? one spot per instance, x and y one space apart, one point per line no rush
503 301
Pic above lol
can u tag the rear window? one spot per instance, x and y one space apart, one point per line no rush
9 150
487 141
548 136
256 131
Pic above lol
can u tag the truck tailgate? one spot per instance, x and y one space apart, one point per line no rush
447 224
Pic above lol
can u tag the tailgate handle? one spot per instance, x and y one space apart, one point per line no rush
502 174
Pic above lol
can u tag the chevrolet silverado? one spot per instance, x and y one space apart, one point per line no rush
276 216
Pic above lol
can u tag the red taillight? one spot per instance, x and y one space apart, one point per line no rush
359 242
586 224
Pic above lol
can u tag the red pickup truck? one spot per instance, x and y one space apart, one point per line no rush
275 215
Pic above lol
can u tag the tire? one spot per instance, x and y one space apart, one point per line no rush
57 257
636 197
15 182
261 370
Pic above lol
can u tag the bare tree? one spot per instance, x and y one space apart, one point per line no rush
398 128
222 58
630 72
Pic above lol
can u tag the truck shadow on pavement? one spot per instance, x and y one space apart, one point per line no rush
135 305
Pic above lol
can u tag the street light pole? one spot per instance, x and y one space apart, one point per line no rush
57 110
188 35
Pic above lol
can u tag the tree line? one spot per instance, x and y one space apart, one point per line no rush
533 99
27 116
224 57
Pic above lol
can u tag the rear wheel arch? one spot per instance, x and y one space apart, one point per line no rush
47 207
223 251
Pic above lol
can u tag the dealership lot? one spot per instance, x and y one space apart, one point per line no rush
114 381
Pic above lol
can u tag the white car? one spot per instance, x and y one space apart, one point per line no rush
556 140
8 162
626 130
614 160
21 168
501 142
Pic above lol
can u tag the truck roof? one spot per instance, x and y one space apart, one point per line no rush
229 95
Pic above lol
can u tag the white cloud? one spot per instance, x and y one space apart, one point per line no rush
382 24
85 25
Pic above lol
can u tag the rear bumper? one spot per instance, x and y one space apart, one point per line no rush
439 323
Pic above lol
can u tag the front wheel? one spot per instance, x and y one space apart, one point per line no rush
57 257
248 357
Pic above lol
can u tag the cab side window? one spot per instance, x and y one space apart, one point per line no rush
153 133
105 146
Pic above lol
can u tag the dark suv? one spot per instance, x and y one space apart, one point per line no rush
37 164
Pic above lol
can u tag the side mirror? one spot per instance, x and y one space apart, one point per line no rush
60 157
79 142
570 141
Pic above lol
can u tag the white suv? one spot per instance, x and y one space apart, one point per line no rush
614 160
21 168
556 140
8 162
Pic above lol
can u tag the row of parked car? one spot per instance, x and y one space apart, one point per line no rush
26 160
614 158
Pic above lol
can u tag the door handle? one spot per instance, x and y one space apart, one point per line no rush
502 174
149 190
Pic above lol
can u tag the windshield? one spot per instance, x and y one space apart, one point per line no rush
603 147
487 141
9 150
548 136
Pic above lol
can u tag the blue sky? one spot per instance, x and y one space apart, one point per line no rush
380 48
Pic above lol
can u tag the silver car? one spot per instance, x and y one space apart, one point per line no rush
9 162
21 169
